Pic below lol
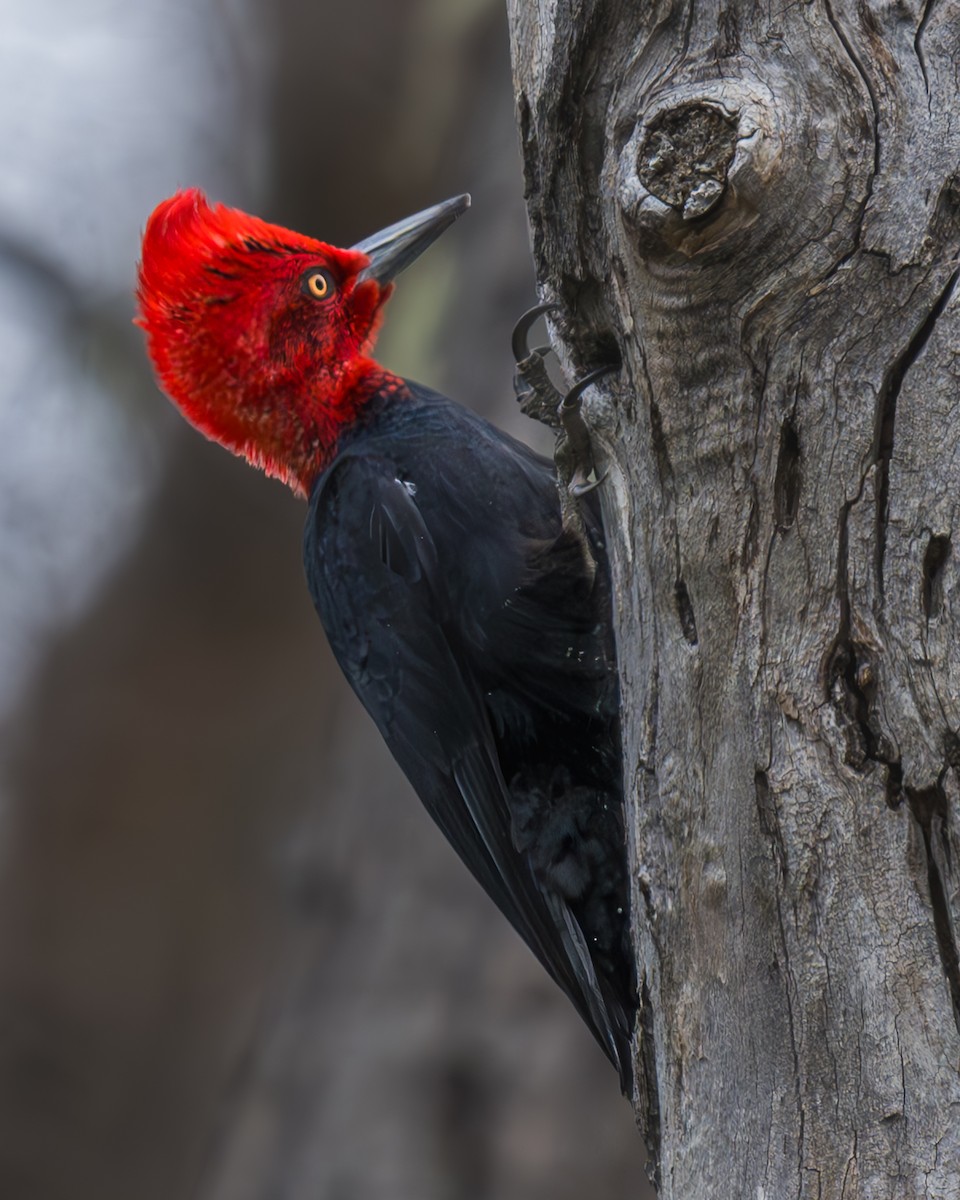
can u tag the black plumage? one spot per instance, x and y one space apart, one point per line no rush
476 631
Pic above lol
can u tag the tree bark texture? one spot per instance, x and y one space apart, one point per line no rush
757 208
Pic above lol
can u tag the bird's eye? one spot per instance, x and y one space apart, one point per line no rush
318 284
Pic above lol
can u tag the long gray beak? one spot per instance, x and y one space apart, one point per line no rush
398 245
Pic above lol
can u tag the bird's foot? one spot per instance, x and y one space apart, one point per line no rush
577 450
538 397
542 401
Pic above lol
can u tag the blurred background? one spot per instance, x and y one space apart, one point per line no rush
236 959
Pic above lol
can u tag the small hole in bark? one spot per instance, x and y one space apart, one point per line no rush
950 192
786 489
605 349
761 784
931 595
523 109
952 749
588 321
685 612
894 789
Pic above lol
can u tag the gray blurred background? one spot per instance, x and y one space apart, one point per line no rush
236 959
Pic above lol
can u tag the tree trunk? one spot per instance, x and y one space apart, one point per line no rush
758 209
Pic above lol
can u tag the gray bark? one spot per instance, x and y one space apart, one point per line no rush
759 209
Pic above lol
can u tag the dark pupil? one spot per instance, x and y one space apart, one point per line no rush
319 284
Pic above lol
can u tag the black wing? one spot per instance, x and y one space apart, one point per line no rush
372 567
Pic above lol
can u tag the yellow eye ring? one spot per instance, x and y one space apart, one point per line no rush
318 284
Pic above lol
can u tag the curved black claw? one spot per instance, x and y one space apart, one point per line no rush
538 397
579 448
518 341
577 488
573 397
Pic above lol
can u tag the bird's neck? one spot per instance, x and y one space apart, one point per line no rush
310 423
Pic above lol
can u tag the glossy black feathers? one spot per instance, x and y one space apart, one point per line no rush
476 632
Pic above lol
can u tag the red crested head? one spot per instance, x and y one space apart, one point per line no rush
258 334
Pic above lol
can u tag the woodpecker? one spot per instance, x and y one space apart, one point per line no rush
472 621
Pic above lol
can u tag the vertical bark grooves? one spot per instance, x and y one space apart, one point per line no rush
764 209
929 809
844 39
887 413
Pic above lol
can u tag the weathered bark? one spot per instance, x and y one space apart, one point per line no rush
758 208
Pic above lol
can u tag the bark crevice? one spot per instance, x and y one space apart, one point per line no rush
934 560
857 63
928 8
771 825
929 809
688 621
844 677
649 1085
887 416
786 487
